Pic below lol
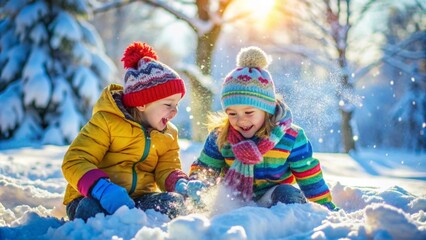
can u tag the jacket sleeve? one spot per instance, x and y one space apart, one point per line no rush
209 164
307 171
169 168
84 154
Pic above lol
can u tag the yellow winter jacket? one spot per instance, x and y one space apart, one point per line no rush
132 157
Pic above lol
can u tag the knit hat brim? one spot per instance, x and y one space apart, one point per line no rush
262 102
152 94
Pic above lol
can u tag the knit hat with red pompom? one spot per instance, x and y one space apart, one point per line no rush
147 80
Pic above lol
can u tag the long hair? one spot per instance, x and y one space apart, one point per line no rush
136 114
219 122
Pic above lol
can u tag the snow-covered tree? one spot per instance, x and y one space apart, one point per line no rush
405 64
52 69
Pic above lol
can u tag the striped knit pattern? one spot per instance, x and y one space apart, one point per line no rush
149 73
289 162
151 81
240 178
173 178
250 83
249 86
247 153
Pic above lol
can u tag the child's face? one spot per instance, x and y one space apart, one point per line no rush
245 119
158 113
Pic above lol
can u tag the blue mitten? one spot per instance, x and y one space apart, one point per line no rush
331 206
194 187
181 187
111 196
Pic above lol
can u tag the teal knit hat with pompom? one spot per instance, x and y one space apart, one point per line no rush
250 83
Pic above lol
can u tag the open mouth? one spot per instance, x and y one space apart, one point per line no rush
164 120
245 129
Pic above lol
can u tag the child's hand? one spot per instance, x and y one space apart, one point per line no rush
181 187
111 196
190 188
331 206
194 188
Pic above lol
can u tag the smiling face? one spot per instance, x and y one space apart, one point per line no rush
247 120
158 113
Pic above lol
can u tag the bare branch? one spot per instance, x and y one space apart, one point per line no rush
186 2
419 4
364 70
398 49
339 7
319 26
199 26
348 12
365 8
237 17
311 17
308 53
407 54
408 68
223 5
178 14
197 79
98 8
413 37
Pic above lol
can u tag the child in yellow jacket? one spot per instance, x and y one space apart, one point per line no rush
128 153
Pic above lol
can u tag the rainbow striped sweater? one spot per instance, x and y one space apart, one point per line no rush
289 162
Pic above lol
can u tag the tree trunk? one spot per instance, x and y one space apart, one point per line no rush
201 99
346 114
347 131
201 96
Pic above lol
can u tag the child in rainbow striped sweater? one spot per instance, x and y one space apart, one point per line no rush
254 148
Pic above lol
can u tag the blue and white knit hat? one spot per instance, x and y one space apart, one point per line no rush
250 83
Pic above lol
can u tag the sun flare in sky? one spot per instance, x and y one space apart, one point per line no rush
260 8
261 11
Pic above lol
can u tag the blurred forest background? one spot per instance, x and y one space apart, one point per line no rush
353 72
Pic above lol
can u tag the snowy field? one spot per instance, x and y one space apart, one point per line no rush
382 195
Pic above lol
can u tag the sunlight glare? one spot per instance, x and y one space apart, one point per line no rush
260 8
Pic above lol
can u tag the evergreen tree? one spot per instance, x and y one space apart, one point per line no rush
52 70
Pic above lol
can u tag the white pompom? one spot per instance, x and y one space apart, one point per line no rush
252 57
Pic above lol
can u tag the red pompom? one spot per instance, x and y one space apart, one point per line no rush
134 52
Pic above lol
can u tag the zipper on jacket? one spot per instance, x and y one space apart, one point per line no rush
144 155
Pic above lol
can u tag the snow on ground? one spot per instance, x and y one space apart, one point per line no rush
382 195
